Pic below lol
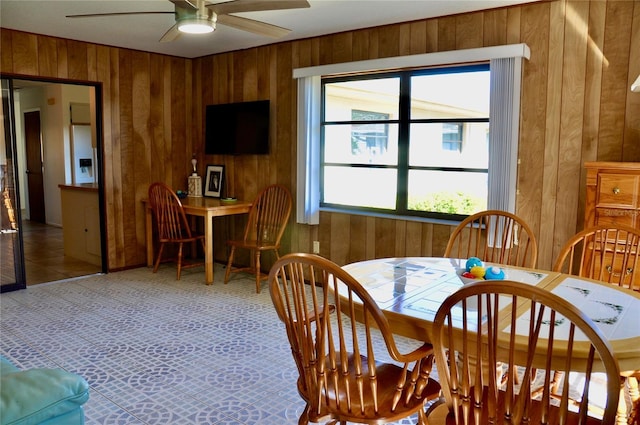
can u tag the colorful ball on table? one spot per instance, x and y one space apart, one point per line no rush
472 262
478 272
494 273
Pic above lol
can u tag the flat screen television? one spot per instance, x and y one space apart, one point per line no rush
237 128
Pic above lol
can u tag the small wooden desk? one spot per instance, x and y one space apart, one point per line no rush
201 207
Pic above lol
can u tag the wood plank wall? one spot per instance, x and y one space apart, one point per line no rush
576 107
147 121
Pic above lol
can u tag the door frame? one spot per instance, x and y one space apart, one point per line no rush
17 248
98 115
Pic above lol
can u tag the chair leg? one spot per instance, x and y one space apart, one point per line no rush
555 383
634 414
304 418
228 271
155 267
629 392
502 376
257 264
422 417
179 261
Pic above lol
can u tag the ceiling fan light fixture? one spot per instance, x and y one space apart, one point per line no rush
196 26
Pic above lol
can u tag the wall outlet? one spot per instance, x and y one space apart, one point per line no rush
316 247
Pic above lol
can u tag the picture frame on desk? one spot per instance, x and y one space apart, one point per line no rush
213 181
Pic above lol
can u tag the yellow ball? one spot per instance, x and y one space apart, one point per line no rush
478 271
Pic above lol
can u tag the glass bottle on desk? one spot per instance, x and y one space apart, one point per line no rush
195 182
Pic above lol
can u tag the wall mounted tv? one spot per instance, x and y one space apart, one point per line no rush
237 128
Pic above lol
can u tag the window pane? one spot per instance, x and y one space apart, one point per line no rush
362 187
460 94
447 191
428 145
435 153
374 143
376 95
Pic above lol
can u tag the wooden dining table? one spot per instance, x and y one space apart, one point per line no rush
410 290
205 207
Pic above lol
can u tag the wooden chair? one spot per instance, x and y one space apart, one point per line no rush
347 371
266 224
9 212
476 323
608 253
172 225
494 236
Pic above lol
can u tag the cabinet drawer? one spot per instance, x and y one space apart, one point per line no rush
615 271
616 216
619 190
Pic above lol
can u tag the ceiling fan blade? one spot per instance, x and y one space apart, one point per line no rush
185 4
171 35
238 6
95 15
256 27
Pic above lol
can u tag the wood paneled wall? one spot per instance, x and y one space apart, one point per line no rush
576 107
147 122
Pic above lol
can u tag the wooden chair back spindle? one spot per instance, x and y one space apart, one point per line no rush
494 236
489 322
607 253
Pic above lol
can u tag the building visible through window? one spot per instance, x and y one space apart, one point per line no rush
408 142
452 136
368 139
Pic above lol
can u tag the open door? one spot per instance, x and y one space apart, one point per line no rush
35 179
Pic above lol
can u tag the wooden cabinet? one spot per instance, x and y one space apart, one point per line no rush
613 197
81 222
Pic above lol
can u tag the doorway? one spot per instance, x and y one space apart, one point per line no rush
43 128
35 183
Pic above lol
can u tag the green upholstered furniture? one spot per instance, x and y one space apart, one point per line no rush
41 396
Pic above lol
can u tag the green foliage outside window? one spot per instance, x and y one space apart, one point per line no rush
449 203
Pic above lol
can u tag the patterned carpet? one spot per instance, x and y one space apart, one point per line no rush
159 351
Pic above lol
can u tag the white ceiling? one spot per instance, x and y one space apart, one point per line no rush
143 32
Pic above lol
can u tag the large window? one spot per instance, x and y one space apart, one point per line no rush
407 143
383 150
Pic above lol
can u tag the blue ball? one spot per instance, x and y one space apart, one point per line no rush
472 262
494 273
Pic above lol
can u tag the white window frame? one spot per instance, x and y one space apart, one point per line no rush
504 118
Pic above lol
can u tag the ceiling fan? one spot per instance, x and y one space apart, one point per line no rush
198 16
